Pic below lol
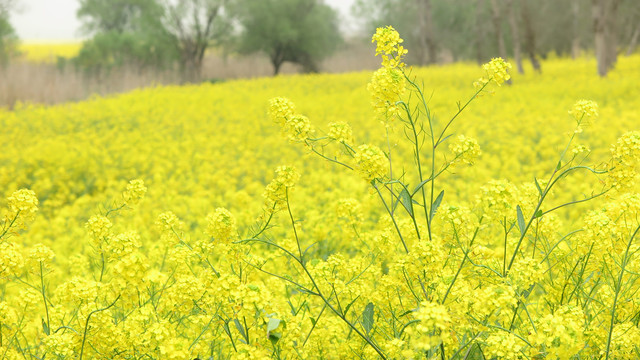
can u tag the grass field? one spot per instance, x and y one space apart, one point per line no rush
193 261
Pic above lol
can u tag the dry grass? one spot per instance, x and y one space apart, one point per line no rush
46 83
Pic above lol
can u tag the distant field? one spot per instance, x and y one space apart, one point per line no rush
48 52
175 286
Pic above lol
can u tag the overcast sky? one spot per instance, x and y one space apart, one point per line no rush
56 19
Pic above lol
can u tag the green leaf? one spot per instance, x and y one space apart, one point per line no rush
559 166
367 318
419 186
272 325
275 337
45 328
346 310
538 214
537 186
521 224
436 205
405 199
241 330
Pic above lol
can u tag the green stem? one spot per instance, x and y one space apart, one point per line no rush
466 256
10 225
44 297
319 291
393 219
86 325
625 261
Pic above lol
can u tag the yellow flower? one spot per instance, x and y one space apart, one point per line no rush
23 205
465 150
99 227
341 131
584 110
371 163
222 225
41 254
297 127
281 109
135 191
275 192
388 45
503 345
387 86
497 70
24 201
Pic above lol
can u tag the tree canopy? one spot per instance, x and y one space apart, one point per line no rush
8 38
297 31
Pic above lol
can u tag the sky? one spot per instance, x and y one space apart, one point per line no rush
56 19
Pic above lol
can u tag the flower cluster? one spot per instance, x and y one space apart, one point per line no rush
276 192
222 225
387 87
294 126
584 110
23 205
341 131
371 163
624 160
388 84
496 71
388 42
134 192
465 150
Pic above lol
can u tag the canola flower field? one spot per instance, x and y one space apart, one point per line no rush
409 214
48 52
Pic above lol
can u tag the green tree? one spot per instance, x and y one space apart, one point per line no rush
119 16
195 25
151 33
298 31
125 32
8 37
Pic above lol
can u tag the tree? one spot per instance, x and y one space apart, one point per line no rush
195 25
529 35
119 16
297 31
125 32
413 19
8 37
515 36
496 20
151 33
425 26
604 27
434 30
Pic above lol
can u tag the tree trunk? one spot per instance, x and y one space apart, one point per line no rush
496 18
426 36
604 28
529 36
575 42
276 66
479 32
634 41
277 58
597 10
515 35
